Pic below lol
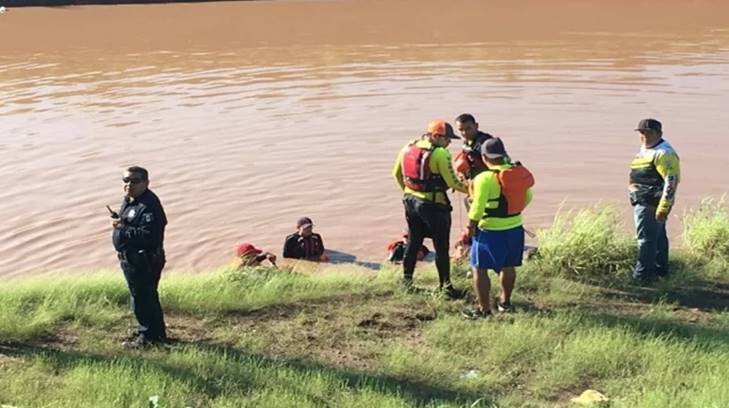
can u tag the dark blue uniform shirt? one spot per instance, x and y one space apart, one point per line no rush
143 224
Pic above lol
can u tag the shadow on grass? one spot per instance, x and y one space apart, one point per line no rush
711 337
415 391
686 286
339 257
708 296
209 385
710 299
286 309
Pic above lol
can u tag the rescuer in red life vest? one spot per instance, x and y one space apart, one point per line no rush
424 172
468 162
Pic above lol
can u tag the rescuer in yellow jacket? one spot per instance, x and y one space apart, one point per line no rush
500 194
424 172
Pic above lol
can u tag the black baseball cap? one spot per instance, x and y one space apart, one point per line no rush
650 124
493 148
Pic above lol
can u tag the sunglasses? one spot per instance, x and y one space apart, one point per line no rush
131 180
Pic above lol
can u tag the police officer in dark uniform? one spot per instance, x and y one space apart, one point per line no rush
138 238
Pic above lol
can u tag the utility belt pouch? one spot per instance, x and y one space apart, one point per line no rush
648 197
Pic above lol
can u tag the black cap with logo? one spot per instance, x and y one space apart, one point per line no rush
493 148
650 124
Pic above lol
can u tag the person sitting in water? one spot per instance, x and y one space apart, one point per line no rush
396 249
304 243
248 255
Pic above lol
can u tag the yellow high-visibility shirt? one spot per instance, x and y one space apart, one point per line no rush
661 159
486 193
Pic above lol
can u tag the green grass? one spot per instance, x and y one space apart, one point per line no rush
265 338
589 244
706 236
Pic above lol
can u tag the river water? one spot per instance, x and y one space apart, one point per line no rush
249 115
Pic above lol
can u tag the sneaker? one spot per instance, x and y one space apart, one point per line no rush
504 307
137 343
132 335
453 293
645 280
141 342
476 313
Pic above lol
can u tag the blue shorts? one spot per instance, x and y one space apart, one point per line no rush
497 249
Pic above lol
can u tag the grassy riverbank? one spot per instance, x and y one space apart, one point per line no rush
270 338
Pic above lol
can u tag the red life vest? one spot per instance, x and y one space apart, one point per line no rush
468 161
416 170
461 163
514 182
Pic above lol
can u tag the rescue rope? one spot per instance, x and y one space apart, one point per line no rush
459 203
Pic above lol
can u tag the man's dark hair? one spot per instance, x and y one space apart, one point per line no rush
465 118
139 170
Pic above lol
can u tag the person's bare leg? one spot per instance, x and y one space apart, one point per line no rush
507 278
482 287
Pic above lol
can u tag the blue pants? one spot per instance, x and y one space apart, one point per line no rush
652 244
142 272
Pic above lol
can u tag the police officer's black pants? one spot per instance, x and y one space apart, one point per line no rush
142 272
427 219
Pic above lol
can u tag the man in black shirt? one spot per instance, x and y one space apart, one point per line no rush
471 151
138 237
304 243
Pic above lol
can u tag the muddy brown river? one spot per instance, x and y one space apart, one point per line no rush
249 115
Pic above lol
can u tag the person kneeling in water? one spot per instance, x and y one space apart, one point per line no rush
304 243
248 255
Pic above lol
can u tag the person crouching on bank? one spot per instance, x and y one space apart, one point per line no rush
247 255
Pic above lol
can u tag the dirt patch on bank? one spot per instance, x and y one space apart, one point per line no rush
352 331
